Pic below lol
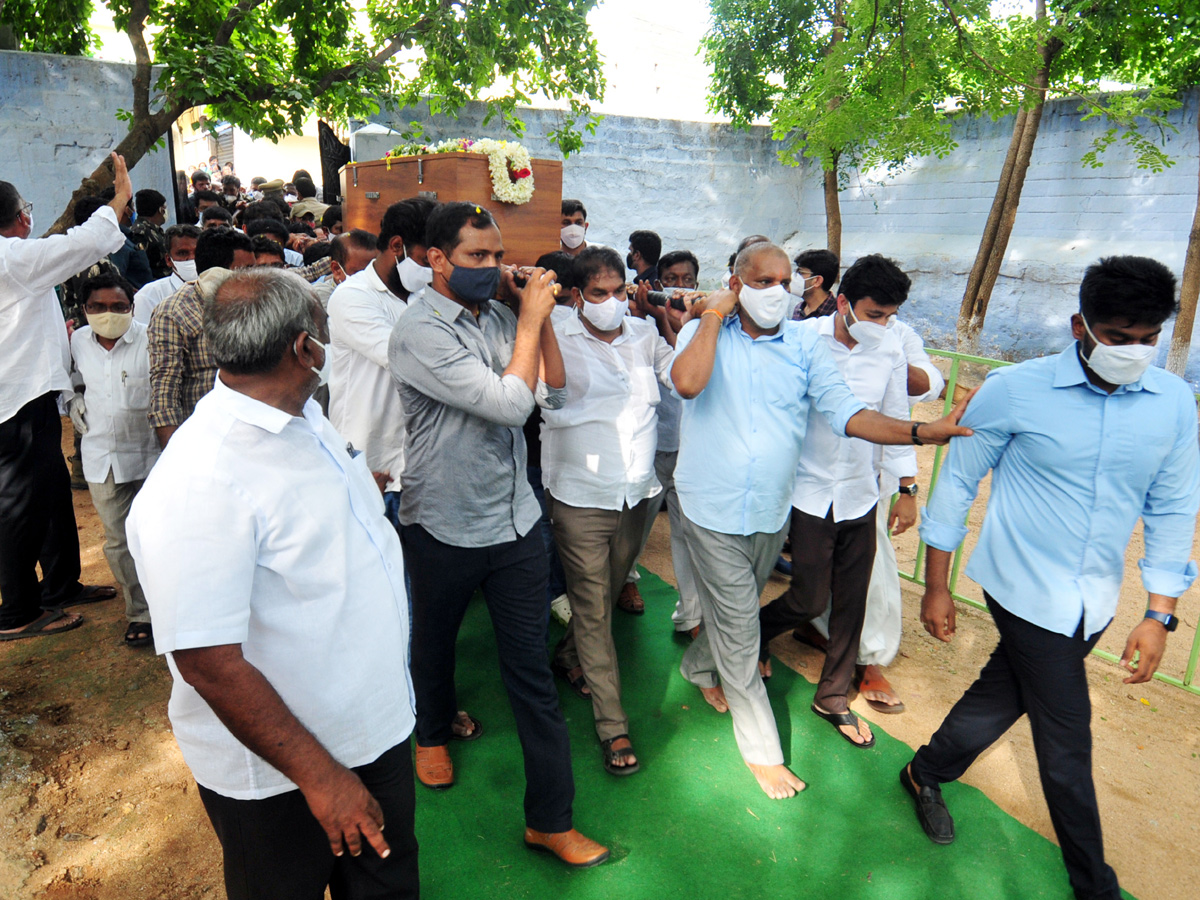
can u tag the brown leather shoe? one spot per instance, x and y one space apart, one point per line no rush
435 769
630 600
570 846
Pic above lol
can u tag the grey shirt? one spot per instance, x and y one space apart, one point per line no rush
464 473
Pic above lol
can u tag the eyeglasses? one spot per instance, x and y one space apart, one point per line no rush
119 308
27 209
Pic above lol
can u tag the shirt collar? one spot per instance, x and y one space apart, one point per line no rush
735 321
443 307
574 325
1068 372
247 409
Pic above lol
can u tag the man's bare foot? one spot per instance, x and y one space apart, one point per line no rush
878 691
777 782
620 762
764 669
463 726
860 735
715 696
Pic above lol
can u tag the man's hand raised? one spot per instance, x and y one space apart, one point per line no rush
537 297
121 185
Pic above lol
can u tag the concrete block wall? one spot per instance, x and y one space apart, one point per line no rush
58 120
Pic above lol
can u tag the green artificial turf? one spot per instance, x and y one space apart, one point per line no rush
693 823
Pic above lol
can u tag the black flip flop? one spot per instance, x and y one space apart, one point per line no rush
139 634
37 628
846 718
577 685
609 755
91 593
476 732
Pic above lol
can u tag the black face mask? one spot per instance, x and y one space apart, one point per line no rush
474 285
629 260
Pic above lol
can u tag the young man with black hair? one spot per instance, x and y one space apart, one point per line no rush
231 193
216 217
469 373
308 207
37 516
645 247
267 252
1080 445
364 404
748 379
331 220
147 232
112 363
205 200
598 469
573 236
181 258
837 487
812 284
181 367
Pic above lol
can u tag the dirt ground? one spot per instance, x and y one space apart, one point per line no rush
97 804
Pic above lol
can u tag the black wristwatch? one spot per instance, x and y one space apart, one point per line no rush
912 490
915 439
1167 620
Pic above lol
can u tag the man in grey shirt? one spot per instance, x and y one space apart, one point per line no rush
469 373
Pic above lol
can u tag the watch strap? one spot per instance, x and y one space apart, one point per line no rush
1167 620
915 439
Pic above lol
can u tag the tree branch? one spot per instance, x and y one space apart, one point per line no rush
233 19
136 30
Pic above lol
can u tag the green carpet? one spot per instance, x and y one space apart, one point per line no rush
693 822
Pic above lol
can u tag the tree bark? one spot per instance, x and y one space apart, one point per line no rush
1189 290
833 212
994 244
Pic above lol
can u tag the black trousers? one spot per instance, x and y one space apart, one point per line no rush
831 566
275 849
37 518
1041 674
512 576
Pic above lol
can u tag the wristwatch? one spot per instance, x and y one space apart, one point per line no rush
1167 620
912 490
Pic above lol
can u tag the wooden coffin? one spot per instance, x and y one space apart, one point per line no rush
529 230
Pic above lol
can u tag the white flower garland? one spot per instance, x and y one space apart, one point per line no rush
508 162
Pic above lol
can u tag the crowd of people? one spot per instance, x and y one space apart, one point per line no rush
309 449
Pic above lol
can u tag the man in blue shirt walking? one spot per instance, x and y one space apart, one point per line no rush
1081 445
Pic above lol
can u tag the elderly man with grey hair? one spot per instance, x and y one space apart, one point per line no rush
277 589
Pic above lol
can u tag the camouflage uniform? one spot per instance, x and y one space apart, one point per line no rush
150 237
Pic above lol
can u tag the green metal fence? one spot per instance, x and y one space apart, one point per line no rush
956 361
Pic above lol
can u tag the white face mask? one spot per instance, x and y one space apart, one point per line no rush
607 315
326 366
766 306
869 334
110 325
1119 365
30 215
413 276
572 235
725 280
800 284
185 268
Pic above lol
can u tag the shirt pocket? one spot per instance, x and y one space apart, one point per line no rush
137 391
644 383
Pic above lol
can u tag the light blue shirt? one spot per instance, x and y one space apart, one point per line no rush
1074 468
740 438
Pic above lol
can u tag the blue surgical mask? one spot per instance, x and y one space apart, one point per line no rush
474 285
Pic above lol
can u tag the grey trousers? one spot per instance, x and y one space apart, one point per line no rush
112 502
687 609
596 547
731 571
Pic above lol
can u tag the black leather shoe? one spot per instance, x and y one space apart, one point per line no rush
931 809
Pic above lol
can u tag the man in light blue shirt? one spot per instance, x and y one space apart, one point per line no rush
1081 445
748 379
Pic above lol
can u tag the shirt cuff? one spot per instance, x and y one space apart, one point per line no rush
167 418
550 397
939 536
1166 581
845 413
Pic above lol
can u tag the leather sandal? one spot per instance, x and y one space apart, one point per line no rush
570 846
578 683
434 767
630 600
476 731
845 718
610 756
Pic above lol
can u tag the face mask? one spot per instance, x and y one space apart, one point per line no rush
231 196
474 285
869 334
766 306
413 276
800 284
629 262
110 325
30 215
185 268
606 316
572 235
323 372
725 280
1119 365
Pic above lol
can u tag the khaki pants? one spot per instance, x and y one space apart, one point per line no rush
597 547
112 502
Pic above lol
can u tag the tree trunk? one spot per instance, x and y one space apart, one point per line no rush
833 213
1189 290
994 244
142 135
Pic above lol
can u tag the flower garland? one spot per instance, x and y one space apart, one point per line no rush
508 162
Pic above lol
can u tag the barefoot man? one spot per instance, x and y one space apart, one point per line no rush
748 379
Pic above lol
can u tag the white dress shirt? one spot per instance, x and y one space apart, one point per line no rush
914 352
119 435
364 403
598 449
310 583
36 357
153 294
293 258
841 471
